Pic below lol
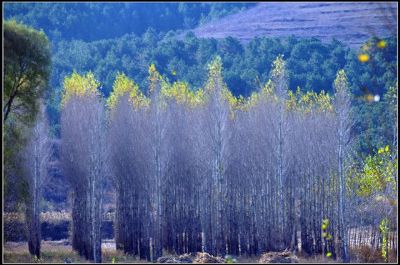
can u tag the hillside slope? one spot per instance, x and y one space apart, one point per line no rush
352 23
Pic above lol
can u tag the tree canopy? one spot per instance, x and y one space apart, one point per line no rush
26 70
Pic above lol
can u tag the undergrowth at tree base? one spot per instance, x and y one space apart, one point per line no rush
64 254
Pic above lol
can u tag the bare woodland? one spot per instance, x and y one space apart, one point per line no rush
204 171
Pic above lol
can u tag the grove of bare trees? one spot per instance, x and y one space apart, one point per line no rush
206 171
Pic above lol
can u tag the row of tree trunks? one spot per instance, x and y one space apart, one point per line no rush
370 236
225 181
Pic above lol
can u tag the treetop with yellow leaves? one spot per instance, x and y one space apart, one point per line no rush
80 86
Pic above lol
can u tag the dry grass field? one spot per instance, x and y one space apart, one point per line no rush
61 252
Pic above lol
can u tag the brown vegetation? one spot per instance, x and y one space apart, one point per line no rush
203 257
278 257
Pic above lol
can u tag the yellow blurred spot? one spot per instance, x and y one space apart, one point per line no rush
387 148
381 44
363 57
369 97
329 254
173 72
380 150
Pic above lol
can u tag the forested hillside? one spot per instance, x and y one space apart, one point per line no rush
68 21
140 126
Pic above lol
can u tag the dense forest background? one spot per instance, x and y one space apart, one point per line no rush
69 21
110 39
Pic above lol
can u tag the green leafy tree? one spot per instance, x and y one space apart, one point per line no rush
26 74
378 179
26 70
378 175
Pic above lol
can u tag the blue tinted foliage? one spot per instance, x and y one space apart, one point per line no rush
94 21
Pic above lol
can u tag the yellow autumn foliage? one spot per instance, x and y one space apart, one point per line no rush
79 85
181 92
122 86
309 101
156 80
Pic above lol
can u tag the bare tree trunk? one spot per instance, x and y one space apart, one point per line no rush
342 105
36 157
